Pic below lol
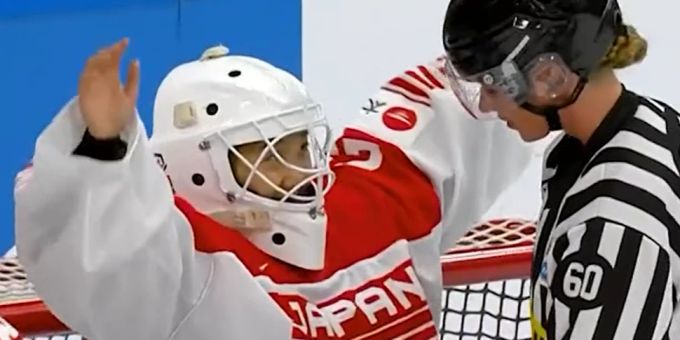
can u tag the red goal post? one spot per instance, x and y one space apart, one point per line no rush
499 249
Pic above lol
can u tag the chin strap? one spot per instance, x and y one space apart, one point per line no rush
551 113
244 219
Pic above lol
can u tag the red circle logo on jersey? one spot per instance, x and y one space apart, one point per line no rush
399 118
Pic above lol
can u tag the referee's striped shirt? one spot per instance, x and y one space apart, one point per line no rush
607 258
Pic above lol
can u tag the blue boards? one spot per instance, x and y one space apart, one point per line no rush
43 44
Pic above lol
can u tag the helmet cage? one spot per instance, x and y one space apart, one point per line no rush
308 118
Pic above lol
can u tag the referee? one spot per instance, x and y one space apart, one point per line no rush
606 263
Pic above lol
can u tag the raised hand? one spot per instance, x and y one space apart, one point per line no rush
108 105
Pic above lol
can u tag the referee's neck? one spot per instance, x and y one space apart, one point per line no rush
581 119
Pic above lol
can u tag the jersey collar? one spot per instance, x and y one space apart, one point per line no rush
624 108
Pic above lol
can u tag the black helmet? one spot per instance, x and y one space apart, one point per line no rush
481 35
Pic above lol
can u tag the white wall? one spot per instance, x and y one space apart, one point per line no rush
659 74
350 47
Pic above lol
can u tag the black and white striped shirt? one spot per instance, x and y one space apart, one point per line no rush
607 258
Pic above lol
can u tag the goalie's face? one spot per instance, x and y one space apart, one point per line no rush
266 166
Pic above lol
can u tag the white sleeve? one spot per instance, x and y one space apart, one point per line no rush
110 254
469 162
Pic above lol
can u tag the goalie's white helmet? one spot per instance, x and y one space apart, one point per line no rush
204 109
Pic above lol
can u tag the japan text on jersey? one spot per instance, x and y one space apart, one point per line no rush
607 262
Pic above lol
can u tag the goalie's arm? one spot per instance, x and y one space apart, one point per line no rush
110 254
468 162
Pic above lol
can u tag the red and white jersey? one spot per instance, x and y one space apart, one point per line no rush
109 250
7 331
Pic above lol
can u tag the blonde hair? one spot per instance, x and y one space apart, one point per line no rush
628 49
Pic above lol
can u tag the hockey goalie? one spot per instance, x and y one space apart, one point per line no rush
270 234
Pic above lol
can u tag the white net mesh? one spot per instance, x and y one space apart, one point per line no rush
487 290
14 287
492 310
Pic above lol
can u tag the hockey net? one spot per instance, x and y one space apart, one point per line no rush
485 296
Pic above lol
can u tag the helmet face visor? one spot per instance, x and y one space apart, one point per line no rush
544 81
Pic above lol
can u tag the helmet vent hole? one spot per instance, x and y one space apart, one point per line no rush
212 109
234 73
278 239
198 179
